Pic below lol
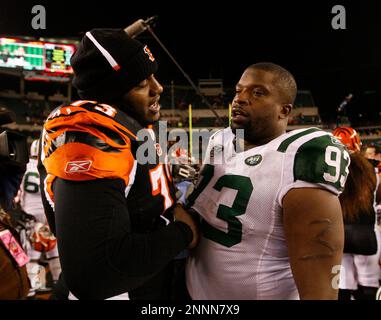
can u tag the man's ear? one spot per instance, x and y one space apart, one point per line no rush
285 111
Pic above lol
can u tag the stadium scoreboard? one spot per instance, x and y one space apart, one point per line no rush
36 55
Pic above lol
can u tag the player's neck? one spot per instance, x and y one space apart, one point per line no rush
242 145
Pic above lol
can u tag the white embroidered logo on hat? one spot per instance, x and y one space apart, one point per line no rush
148 52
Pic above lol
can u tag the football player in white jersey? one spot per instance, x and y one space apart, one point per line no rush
31 203
271 221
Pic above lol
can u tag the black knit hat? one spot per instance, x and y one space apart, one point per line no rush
108 63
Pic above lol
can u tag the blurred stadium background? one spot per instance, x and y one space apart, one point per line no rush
35 77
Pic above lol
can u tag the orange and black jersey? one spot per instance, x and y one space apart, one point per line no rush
86 141
106 207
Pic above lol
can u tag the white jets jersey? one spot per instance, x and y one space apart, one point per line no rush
242 253
31 201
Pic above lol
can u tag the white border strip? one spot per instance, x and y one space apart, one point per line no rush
131 179
47 195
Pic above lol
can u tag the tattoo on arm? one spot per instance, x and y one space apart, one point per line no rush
330 248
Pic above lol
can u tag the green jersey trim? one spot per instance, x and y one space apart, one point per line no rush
322 160
284 145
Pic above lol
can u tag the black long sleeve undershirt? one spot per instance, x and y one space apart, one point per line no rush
100 255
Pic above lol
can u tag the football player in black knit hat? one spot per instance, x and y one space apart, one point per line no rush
112 214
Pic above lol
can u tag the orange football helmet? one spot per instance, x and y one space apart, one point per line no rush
349 137
42 239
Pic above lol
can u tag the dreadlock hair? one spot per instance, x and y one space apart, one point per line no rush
358 195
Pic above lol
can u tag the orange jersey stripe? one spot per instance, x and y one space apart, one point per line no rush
79 162
48 186
84 120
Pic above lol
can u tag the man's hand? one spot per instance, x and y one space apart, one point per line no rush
182 215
